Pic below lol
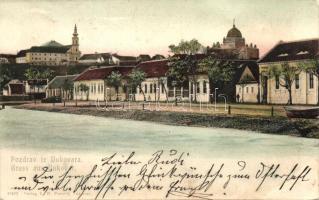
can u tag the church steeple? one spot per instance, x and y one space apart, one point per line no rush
75 33
74 52
75 39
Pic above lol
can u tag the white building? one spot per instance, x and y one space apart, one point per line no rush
157 87
247 88
305 85
21 56
94 80
96 58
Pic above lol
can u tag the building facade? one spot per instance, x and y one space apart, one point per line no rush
247 88
157 87
305 85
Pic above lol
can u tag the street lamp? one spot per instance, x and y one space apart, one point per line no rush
225 100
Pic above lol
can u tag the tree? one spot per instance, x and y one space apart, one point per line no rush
184 65
84 88
286 74
163 81
67 87
31 73
186 47
311 67
114 80
219 71
46 74
135 79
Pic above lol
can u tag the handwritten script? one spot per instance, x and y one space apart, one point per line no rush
170 173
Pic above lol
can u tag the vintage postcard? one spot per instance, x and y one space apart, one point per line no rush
166 99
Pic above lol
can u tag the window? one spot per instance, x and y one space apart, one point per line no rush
145 88
277 82
297 81
151 88
247 91
204 87
311 80
252 89
155 89
197 87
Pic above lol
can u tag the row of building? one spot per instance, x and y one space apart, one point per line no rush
250 84
53 53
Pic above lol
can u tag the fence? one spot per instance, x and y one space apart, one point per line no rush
179 106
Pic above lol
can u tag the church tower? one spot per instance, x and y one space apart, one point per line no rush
74 52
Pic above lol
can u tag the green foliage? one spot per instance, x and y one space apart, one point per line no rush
180 69
186 47
114 80
83 88
286 72
67 85
219 71
310 66
135 78
32 73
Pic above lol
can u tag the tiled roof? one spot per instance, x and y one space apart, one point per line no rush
124 58
295 50
156 68
50 49
102 73
95 56
7 55
241 65
58 81
127 63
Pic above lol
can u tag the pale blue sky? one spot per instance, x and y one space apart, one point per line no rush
145 26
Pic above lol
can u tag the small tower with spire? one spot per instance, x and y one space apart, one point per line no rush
75 38
74 52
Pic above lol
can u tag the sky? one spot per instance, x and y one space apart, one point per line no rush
133 27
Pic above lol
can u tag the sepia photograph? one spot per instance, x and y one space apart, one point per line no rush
165 99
